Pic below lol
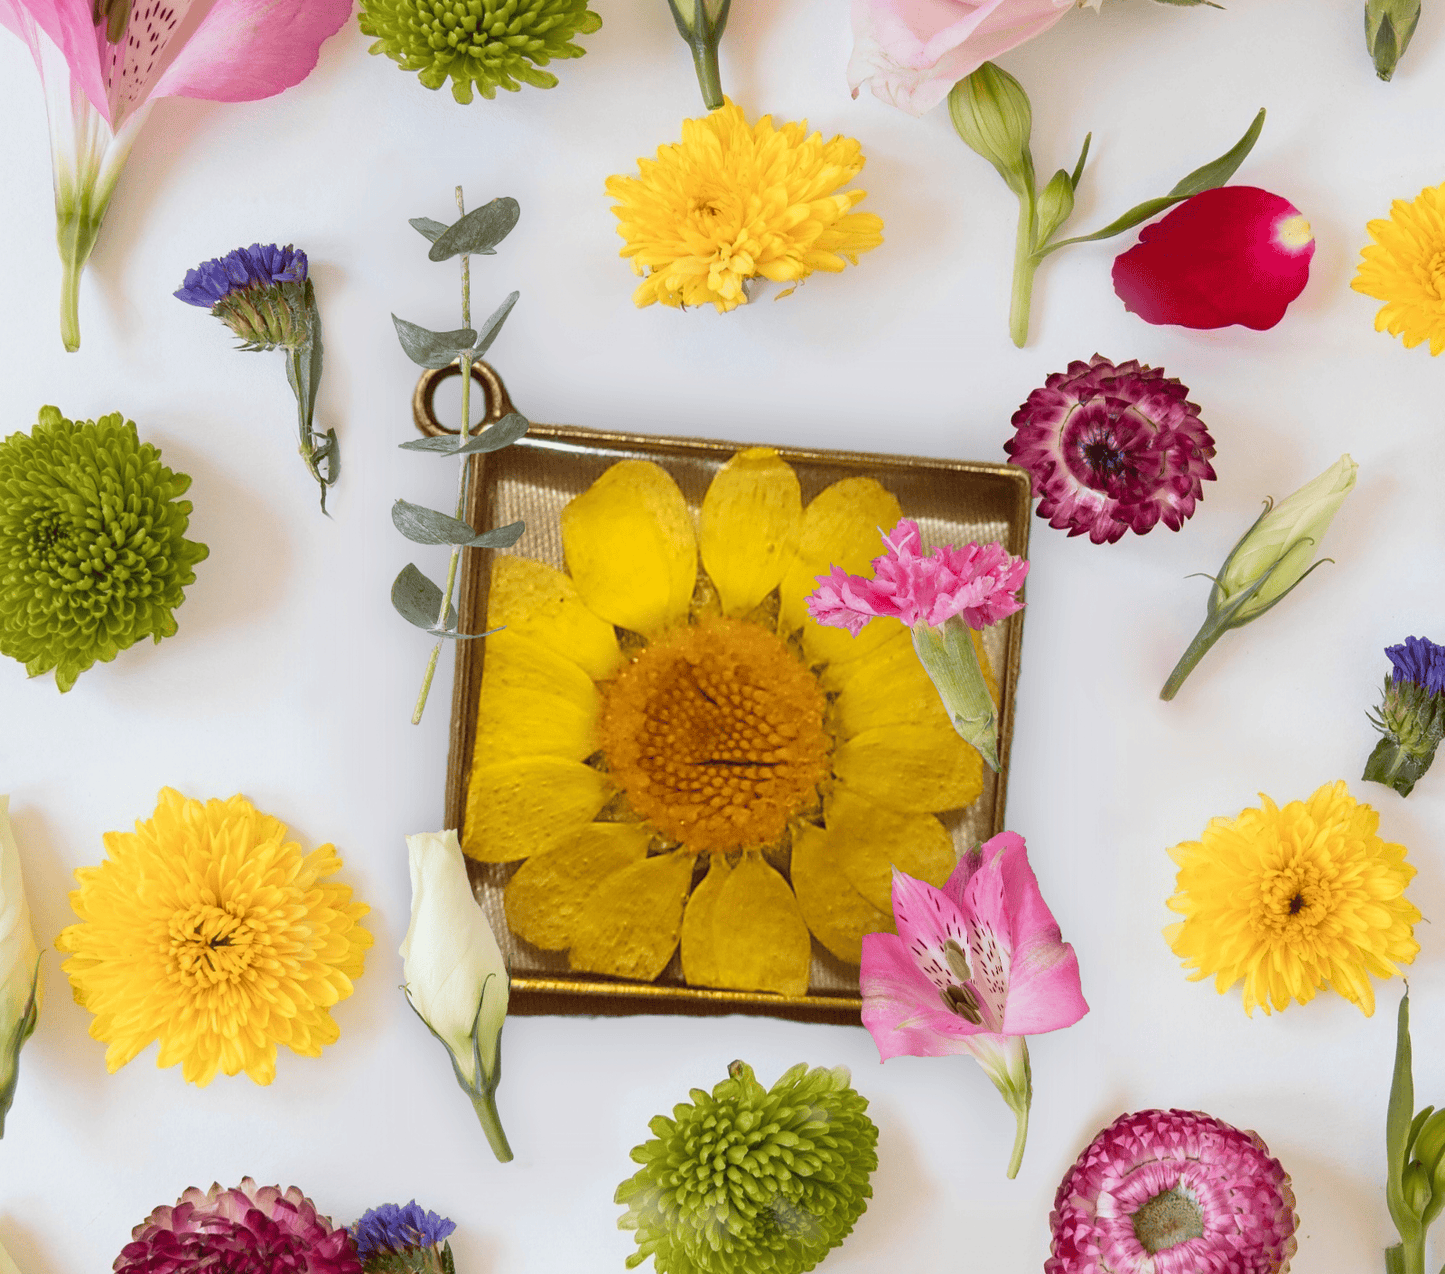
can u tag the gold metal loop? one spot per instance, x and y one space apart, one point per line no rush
423 409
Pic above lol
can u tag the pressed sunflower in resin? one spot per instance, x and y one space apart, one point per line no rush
682 757
735 201
1290 901
206 929
1405 268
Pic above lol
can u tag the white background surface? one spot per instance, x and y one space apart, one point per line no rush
291 680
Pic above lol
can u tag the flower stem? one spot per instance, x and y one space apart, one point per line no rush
1210 633
1021 1135
1025 264
709 79
1406 1257
486 1107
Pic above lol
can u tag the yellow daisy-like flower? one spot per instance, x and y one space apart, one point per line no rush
206 929
1295 899
1405 268
733 202
683 757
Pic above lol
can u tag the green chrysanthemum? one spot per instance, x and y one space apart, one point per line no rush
748 1181
490 43
93 554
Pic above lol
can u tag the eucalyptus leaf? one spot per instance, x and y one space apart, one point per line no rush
1213 174
489 330
433 230
493 438
427 526
418 601
479 231
432 349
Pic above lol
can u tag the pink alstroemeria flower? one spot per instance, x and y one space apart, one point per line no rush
940 596
911 52
98 90
974 968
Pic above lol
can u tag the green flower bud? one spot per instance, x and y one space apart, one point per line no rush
991 112
1055 205
1389 26
1417 1188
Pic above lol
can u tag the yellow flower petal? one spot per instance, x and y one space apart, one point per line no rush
748 531
748 934
837 913
522 807
517 723
915 768
871 840
549 891
631 925
630 547
859 679
515 661
531 599
841 527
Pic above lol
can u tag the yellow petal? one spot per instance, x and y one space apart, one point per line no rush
630 547
520 662
748 531
749 934
531 599
630 926
519 808
837 913
857 674
872 840
533 702
914 768
841 527
548 892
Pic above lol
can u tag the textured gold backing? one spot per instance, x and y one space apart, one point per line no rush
952 501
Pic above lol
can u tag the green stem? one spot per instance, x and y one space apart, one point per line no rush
1025 264
1198 648
486 1107
709 79
1021 1135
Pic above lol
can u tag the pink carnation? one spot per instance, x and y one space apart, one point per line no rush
248 1230
977 581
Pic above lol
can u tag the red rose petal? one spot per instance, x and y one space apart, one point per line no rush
1236 254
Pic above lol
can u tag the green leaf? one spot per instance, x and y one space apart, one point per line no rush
478 232
493 438
1398 1119
418 601
432 349
433 230
1083 157
488 331
1213 174
426 526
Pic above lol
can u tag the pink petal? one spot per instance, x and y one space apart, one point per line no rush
249 49
842 600
68 24
901 1008
1236 254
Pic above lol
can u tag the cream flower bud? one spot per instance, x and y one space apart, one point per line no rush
20 991
456 977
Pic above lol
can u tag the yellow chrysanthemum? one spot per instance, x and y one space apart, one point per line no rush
1405 268
206 929
733 202
683 758
1295 899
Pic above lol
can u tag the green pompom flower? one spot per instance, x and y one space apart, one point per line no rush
490 43
748 1181
93 554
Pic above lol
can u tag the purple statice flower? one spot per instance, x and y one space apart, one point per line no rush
396 1229
1421 662
254 267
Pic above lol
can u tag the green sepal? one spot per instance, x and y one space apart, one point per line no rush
23 1029
1393 766
1389 28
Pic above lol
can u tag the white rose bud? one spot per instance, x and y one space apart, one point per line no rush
20 992
456 977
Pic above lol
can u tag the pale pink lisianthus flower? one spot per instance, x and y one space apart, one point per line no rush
911 52
977 581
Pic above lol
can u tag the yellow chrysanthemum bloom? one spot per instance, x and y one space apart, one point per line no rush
1295 899
1405 268
206 929
682 756
734 202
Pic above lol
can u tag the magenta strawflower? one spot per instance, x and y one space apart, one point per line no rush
1112 449
1173 1192
974 968
247 1230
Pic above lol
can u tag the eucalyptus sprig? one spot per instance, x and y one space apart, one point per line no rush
416 598
991 112
1414 1160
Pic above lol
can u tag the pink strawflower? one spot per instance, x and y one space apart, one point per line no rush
1173 1192
974 968
1235 254
978 582
911 52
1112 449
248 1230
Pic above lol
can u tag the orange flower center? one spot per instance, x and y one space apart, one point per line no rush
715 732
